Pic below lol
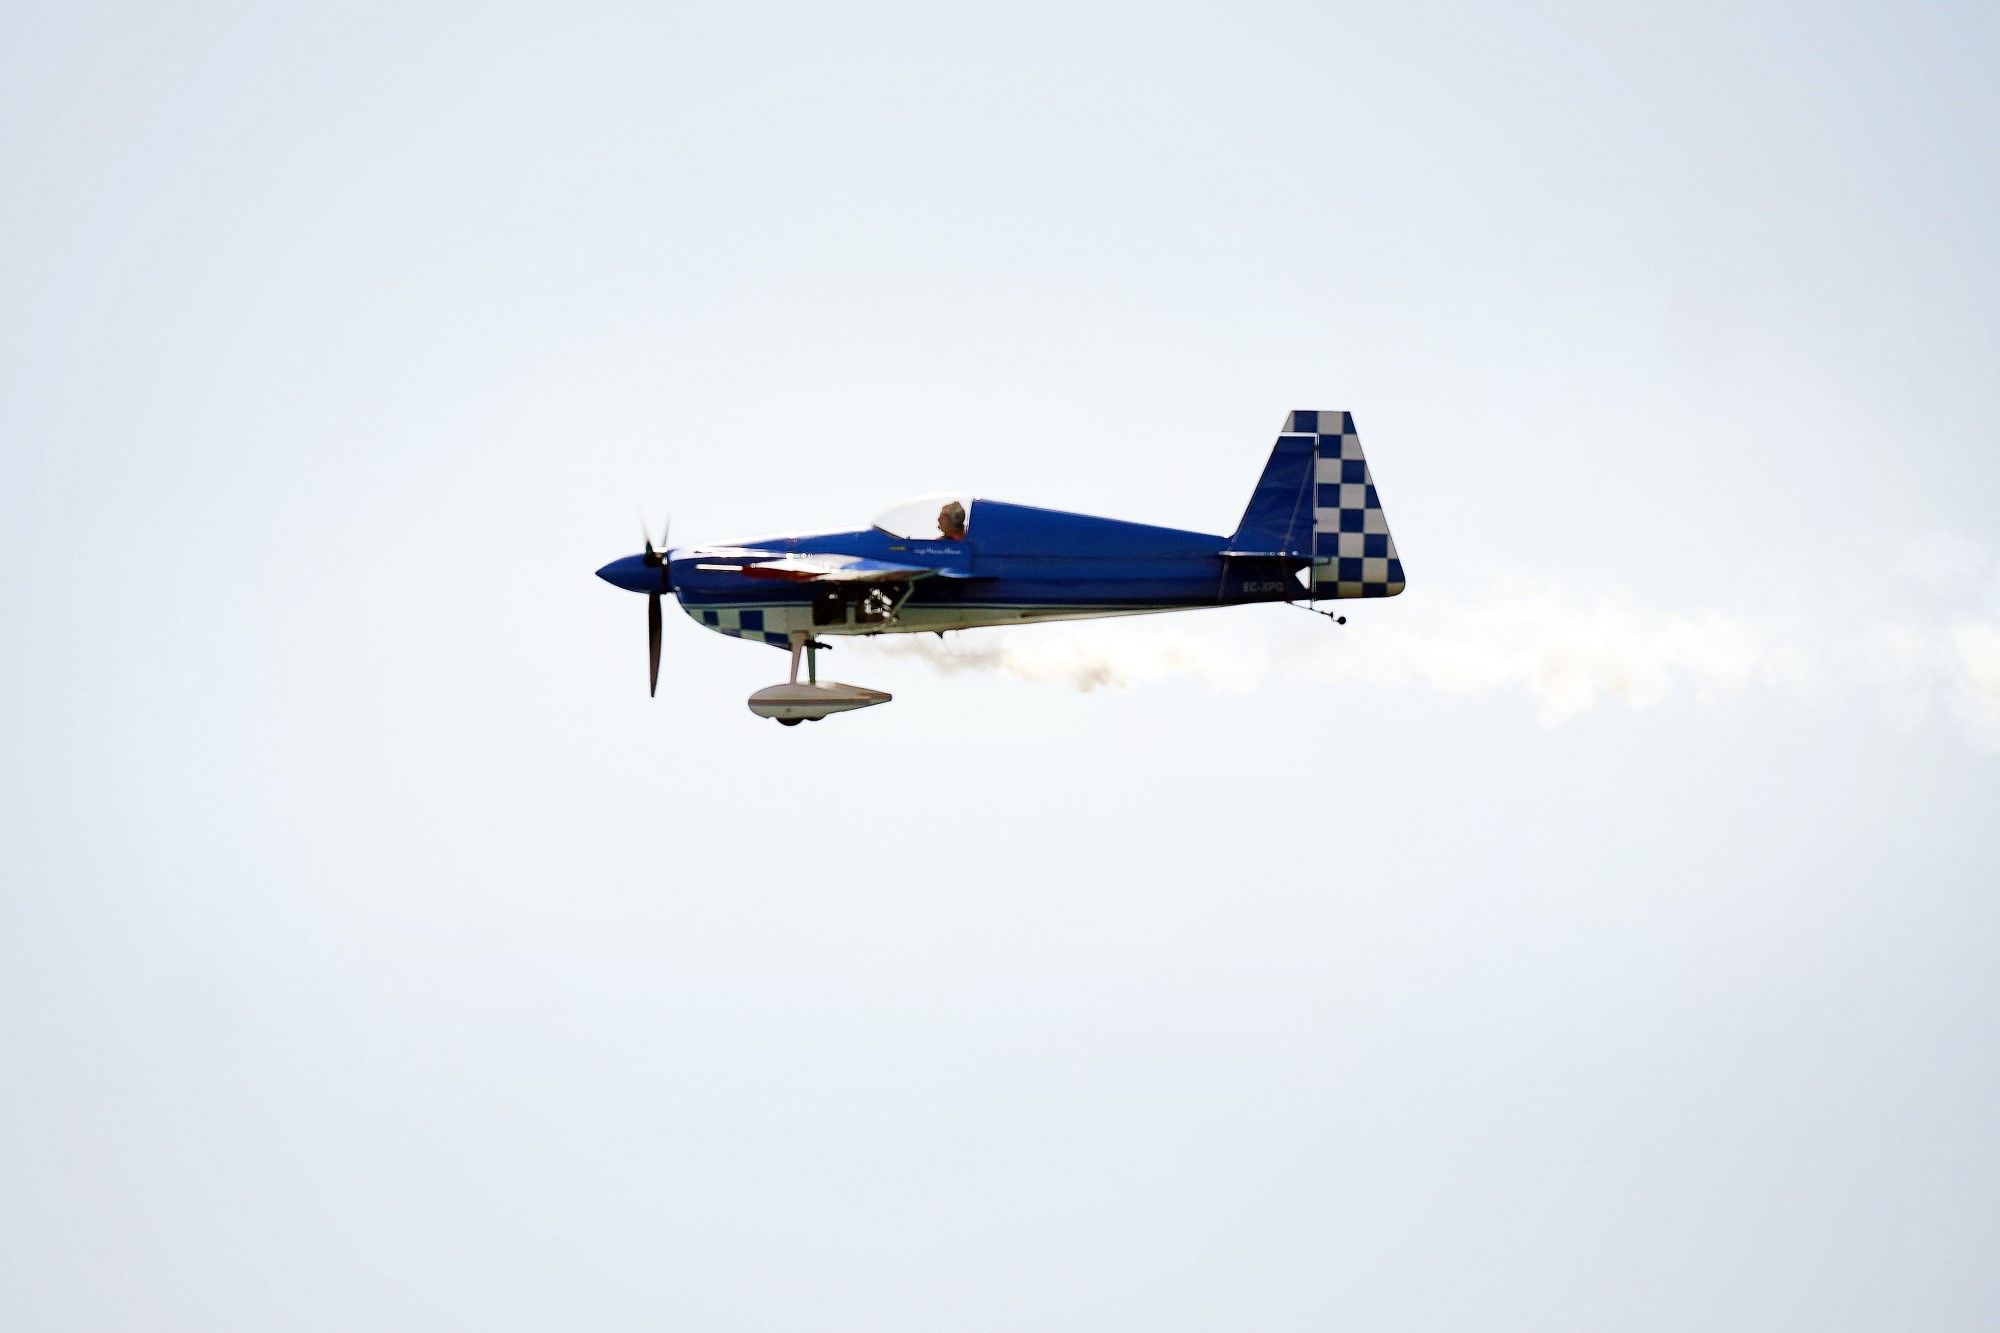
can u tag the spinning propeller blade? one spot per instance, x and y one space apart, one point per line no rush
657 559
653 643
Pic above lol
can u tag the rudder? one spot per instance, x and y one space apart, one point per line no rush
1353 553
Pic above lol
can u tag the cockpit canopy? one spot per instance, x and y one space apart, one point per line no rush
943 516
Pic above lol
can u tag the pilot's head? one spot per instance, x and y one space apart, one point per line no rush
951 520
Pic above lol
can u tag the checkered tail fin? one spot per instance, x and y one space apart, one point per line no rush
1353 553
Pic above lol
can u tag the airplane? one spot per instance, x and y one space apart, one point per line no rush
1313 530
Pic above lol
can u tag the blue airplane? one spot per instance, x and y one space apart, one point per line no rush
1314 530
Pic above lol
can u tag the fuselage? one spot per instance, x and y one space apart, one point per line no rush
1016 564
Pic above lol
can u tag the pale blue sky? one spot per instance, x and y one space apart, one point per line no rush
373 953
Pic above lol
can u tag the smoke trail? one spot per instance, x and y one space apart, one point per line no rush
1565 650
1977 702
1568 652
1103 657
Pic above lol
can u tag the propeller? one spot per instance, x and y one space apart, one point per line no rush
653 643
655 559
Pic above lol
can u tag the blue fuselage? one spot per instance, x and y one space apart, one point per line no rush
1017 563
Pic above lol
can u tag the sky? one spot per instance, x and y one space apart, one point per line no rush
1598 935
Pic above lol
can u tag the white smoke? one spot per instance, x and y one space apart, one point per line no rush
1977 699
1565 649
1101 657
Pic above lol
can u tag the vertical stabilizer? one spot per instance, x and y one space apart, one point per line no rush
1279 518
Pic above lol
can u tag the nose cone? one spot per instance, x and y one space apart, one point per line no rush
634 575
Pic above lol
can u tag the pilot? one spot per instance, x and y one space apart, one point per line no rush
951 522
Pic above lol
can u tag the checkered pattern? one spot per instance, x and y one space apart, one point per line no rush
1353 553
758 624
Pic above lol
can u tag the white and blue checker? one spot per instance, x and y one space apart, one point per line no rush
758 624
1353 553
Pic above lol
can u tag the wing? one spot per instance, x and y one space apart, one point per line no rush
830 568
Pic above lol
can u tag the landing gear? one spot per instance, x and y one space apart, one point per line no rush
1334 616
810 701
811 647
